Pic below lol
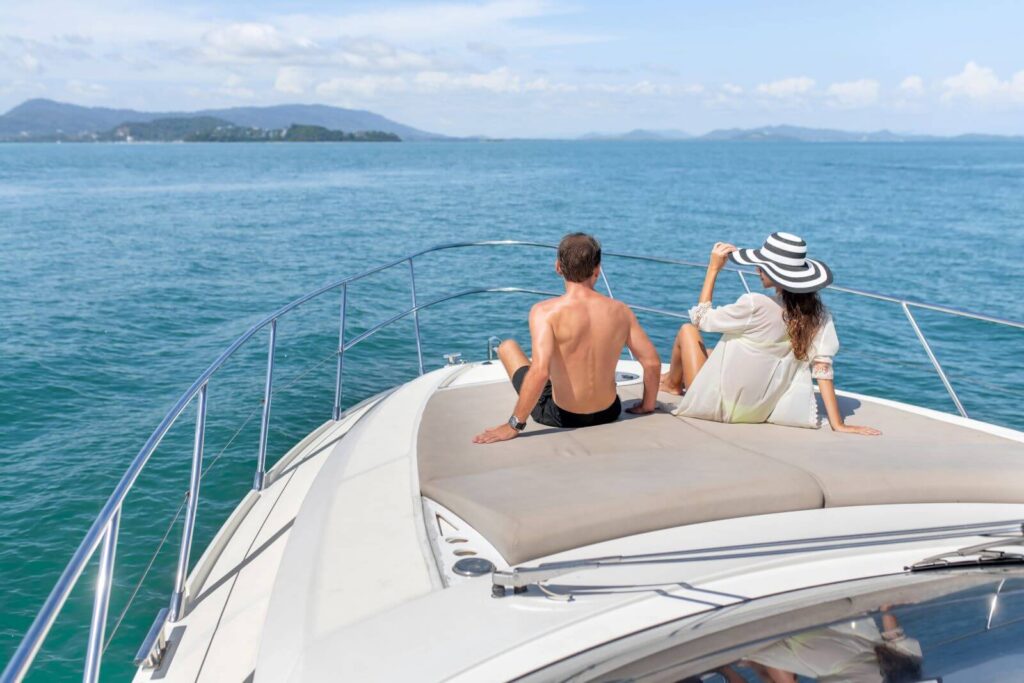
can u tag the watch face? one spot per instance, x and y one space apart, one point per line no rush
515 424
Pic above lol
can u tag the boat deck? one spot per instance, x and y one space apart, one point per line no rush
550 490
306 571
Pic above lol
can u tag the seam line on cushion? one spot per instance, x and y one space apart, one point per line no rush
820 484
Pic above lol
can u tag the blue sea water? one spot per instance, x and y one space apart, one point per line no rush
124 270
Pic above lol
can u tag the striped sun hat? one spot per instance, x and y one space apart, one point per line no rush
784 260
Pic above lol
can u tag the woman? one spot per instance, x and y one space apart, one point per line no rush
771 347
852 651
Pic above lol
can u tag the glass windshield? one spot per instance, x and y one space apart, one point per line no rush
948 626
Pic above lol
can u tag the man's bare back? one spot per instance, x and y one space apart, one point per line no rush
576 340
590 330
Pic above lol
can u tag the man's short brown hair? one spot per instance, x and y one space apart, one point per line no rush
579 255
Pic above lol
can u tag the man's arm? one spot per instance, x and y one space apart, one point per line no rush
643 350
542 343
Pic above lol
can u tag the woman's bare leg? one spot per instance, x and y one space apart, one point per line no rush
688 356
672 381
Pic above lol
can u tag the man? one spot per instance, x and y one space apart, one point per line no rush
577 340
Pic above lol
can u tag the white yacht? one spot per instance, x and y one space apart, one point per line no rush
384 546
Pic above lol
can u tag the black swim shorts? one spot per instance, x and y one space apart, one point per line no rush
546 412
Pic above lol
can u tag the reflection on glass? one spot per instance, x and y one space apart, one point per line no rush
858 651
961 626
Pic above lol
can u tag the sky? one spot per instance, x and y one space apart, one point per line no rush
536 68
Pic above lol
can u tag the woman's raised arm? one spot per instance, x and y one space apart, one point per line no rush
719 255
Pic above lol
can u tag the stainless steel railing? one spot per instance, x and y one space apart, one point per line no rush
104 530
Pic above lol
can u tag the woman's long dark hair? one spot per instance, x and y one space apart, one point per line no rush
896 666
803 315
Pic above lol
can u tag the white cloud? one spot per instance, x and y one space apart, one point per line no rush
787 87
974 82
376 55
292 80
500 80
28 62
645 87
912 86
361 86
727 95
234 87
21 87
504 80
84 88
981 83
499 22
247 41
860 93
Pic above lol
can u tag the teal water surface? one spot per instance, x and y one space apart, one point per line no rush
124 270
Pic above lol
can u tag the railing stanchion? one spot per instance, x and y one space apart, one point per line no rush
101 601
743 279
933 359
341 354
261 462
416 317
492 348
612 296
178 596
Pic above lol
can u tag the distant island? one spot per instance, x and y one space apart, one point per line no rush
796 134
211 129
293 133
42 120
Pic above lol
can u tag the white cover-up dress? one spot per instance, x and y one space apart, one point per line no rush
752 375
842 652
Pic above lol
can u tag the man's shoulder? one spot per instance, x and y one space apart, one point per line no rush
544 309
545 305
614 306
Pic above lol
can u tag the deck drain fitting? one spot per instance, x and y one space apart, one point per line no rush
455 540
626 377
464 553
473 566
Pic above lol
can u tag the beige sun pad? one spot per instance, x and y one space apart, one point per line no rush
550 490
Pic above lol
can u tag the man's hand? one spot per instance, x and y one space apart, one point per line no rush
502 432
720 254
639 408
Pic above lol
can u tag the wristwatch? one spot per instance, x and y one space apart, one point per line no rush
515 424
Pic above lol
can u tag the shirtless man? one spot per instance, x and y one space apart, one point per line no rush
577 339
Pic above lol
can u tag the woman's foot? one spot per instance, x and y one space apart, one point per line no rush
667 386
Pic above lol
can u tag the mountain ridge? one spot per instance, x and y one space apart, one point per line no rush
790 133
787 133
43 117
